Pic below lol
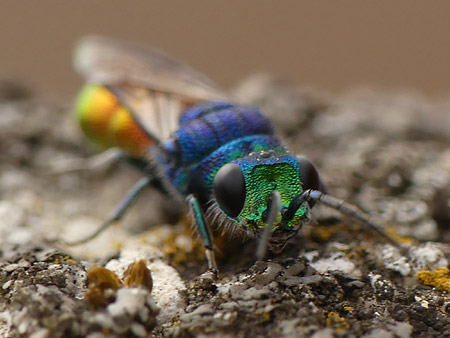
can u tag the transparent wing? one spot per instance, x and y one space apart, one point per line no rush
155 87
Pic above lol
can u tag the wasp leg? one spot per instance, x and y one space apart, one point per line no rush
273 209
203 230
346 209
97 162
118 212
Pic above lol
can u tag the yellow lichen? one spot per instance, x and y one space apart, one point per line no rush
182 246
117 245
66 258
70 259
392 232
438 278
323 233
336 321
348 308
266 317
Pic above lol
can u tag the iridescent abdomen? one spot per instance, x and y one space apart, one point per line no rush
107 123
207 127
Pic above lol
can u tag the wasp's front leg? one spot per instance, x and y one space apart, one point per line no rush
198 218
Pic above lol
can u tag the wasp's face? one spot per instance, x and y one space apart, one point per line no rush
244 190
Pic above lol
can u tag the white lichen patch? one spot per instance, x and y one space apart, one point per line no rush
426 230
373 277
337 261
424 303
410 211
310 255
433 174
129 301
224 288
393 259
427 256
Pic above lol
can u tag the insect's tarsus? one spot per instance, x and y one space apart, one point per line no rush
203 230
273 209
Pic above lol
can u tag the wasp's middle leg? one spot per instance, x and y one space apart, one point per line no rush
203 230
121 208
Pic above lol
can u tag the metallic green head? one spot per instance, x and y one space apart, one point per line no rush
244 187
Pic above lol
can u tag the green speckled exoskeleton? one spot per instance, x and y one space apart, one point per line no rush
194 143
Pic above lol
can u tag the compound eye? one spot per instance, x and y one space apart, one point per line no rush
309 176
229 189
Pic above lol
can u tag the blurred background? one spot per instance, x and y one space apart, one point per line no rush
330 45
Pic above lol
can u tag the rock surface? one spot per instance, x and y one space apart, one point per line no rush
385 151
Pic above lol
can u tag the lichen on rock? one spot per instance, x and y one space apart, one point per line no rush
385 151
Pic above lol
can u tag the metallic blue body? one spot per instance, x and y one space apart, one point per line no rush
209 136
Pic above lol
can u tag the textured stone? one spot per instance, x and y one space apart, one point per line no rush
385 151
